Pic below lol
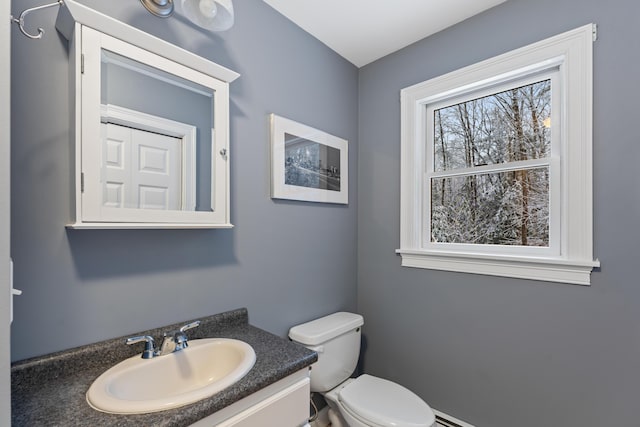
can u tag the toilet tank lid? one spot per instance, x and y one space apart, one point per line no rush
325 328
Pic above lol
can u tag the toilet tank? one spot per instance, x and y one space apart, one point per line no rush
336 339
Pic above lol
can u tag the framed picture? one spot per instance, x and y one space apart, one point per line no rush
307 164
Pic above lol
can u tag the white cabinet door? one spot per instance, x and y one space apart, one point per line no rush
283 404
288 408
179 76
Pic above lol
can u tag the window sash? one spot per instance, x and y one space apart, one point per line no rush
552 73
496 168
553 249
553 162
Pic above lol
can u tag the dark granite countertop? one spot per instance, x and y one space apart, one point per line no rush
50 390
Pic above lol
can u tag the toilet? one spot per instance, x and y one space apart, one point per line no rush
365 401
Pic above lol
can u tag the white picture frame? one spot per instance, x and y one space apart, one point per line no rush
307 164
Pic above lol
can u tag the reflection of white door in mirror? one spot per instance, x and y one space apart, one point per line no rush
147 162
140 169
151 128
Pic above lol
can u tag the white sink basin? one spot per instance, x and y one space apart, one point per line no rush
137 386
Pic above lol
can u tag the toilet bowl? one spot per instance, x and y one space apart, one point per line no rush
365 401
370 401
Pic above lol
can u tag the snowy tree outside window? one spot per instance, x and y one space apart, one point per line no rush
496 165
492 208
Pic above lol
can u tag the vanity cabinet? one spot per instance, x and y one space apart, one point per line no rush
283 404
275 393
150 124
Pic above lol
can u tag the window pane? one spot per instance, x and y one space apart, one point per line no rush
506 208
504 127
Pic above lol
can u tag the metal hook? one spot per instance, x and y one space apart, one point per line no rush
20 19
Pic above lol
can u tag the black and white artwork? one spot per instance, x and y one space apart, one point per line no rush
307 164
311 164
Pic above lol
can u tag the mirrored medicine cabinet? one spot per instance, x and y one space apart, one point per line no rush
151 128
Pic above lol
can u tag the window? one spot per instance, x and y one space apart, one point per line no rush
496 165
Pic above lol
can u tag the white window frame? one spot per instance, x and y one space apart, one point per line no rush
569 258
552 163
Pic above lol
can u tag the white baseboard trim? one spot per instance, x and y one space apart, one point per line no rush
449 421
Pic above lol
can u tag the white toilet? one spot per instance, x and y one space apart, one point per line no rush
366 401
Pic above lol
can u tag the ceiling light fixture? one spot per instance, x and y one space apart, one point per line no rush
160 8
213 15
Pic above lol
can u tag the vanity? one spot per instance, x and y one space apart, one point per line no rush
50 390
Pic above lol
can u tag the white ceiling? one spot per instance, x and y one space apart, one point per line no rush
365 30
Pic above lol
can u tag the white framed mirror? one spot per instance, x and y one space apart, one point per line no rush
151 128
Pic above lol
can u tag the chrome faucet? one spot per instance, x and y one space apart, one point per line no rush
177 340
172 341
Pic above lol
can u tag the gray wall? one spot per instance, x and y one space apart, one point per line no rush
500 352
494 351
287 262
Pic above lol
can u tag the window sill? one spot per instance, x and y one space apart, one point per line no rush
142 225
577 272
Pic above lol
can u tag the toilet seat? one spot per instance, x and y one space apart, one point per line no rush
383 403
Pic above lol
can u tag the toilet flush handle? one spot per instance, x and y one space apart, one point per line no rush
317 349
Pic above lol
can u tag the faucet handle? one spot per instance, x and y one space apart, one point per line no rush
180 338
190 326
176 340
149 346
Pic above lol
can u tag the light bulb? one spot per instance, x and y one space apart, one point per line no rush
208 8
213 15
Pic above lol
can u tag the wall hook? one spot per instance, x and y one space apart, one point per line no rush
20 20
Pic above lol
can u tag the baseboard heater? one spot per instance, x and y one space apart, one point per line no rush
442 419
448 421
